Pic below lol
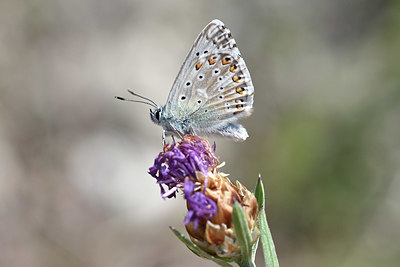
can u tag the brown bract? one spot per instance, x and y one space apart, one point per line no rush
217 236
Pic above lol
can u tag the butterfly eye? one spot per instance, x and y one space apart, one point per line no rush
158 113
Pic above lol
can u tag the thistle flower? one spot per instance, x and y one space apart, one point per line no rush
222 216
181 160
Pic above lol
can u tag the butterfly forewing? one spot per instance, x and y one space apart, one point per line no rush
213 87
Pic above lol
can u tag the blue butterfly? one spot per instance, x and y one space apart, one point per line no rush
212 91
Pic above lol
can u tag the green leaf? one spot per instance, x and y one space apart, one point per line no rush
243 235
254 248
198 251
259 194
271 259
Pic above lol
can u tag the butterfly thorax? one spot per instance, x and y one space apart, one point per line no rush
171 125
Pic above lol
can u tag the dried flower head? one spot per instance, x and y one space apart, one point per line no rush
191 166
217 235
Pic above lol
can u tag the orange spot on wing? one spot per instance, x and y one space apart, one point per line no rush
236 79
233 68
211 61
198 65
240 90
226 60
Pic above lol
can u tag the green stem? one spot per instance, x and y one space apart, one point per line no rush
246 264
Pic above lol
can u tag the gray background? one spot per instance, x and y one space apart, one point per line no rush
324 134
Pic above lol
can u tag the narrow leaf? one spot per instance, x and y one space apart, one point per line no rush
242 233
254 248
198 251
259 193
271 259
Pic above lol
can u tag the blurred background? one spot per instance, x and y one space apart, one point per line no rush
74 188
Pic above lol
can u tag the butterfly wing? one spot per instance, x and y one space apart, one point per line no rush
213 88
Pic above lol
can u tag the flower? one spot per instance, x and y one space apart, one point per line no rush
191 166
217 235
181 160
200 206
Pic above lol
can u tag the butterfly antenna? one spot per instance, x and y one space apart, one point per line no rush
142 97
136 101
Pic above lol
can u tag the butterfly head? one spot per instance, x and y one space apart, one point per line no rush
157 114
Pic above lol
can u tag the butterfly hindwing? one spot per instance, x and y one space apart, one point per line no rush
213 88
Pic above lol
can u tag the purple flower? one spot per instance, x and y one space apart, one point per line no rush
181 160
199 206
191 166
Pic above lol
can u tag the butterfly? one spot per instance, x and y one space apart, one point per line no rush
212 91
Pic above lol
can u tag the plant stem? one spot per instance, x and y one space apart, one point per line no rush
248 263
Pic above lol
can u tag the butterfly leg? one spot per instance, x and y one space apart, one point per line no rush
163 138
191 131
180 135
177 132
